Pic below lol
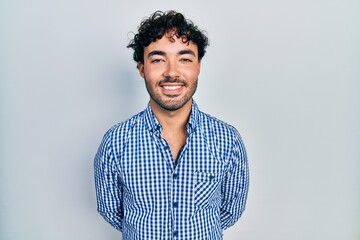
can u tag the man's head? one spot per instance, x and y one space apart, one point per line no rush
168 51
161 23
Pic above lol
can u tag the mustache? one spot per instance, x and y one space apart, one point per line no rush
172 80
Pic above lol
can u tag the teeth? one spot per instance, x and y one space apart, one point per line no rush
171 87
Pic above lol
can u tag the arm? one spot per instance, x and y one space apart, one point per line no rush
235 186
108 185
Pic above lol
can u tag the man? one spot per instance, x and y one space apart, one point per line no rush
171 171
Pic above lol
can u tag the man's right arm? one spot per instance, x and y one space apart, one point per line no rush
108 184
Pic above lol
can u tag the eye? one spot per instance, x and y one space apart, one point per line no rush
156 60
185 60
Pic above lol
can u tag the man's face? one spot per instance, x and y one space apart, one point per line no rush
170 71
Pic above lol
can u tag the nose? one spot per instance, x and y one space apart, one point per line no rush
171 71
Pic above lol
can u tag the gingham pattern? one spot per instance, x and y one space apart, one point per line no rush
141 192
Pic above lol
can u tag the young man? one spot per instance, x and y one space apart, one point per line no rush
171 171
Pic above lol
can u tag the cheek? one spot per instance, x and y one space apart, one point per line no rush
192 74
150 77
152 71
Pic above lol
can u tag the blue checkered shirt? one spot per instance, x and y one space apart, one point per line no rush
147 195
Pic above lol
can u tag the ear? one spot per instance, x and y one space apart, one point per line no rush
140 67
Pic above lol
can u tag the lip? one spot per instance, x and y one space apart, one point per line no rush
172 88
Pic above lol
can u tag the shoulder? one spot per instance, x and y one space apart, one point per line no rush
114 141
118 132
224 136
223 139
218 127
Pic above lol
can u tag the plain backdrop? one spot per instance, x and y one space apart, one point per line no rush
286 74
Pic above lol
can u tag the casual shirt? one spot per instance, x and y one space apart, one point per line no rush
147 195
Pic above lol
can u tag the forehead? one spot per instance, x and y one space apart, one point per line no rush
170 45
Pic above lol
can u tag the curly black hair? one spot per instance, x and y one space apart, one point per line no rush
170 22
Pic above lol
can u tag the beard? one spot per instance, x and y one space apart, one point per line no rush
171 102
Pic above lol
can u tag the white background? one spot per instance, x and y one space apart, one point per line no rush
285 73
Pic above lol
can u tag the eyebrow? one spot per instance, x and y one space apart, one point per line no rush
188 51
162 53
156 52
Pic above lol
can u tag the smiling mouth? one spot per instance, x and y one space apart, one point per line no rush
172 87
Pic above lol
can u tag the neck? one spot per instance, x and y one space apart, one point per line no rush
172 120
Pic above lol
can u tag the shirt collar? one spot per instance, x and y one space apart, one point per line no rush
194 118
153 124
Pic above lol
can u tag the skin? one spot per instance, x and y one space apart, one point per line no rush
170 71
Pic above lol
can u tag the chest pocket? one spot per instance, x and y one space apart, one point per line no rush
207 189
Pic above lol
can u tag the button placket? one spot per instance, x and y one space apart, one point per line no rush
175 203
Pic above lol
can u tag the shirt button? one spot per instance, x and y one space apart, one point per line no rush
175 233
175 176
175 204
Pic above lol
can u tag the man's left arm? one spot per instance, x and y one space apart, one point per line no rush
235 185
